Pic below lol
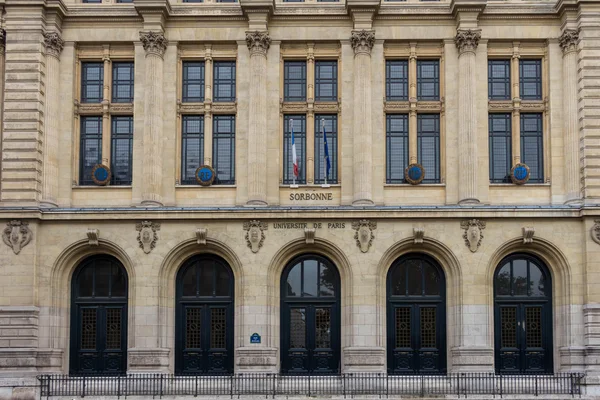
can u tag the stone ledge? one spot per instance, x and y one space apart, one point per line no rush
148 360
256 359
472 359
26 361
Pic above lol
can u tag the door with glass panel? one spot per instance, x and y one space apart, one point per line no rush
204 317
416 318
310 316
523 316
99 317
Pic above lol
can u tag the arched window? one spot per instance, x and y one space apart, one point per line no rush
523 315
204 316
310 316
99 317
416 317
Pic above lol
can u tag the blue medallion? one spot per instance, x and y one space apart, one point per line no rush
519 174
205 175
414 174
100 174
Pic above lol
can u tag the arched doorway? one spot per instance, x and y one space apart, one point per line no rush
204 316
523 315
99 317
310 316
416 316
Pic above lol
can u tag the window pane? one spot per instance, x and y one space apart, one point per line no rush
415 277
298 328
428 146
322 328
224 149
428 80
224 81
123 78
537 281
431 278
520 281
192 147
206 270
299 126
86 282
399 280
193 81
499 79
326 80
310 279
396 147
121 150
396 80
294 85
500 147
294 281
320 161
503 281
92 82
119 282
530 79
223 278
102 279
532 150
327 281
90 148
189 282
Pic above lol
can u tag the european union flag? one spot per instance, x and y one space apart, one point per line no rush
327 162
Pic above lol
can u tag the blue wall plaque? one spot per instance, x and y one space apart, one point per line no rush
205 175
414 174
519 174
100 174
255 338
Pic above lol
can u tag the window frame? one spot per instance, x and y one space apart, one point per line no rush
389 81
389 135
232 82
539 137
493 134
538 80
232 150
492 81
435 80
84 83
287 81
332 144
186 81
115 82
83 138
184 178
287 150
437 138
320 81
114 138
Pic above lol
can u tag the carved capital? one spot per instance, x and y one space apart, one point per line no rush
362 41
154 43
17 235
258 42
467 40
53 43
568 40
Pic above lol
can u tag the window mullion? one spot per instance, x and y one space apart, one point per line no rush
208 94
208 138
106 122
310 146
516 102
208 75
412 98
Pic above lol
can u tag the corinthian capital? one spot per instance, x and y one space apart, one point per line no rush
362 41
53 43
154 42
258 42
568 40
467 40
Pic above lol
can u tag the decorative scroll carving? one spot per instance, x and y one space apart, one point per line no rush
53 43
362 41
258 42
418 234
467 40
93 235
596 231
473 233
154 42
17 235
528 232
309 235
568 40
364 234
255 235
201 234
147 235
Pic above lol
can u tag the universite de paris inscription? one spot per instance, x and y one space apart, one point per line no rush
303 225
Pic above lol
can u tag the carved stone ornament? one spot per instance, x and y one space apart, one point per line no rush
568 40
258 42
473 233
596 231
2 39
364 233
93 235
201 234
418 234
467 40
154 42
255 235
147 235
17 235
528 233
309 235
53 43
362 41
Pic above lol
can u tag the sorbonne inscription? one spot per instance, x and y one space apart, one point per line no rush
311 196
302 225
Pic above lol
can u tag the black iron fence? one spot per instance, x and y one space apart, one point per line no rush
347 385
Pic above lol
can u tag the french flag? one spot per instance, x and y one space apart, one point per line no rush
294 159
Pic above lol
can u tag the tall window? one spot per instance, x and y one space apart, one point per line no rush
500 147
499 79
294 81
530 79
396 133
428 80
224 81
396 80
122 89
90 147
92 82
192 147
532 149
224 149
428 146
193 81
331 122
121 149
325 80
299 125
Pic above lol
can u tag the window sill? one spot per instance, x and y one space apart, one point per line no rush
198 186
310 186
81 187
415 186
525 185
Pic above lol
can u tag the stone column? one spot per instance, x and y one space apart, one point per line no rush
258 43
155 45
362 42
568 43
466 41
53 45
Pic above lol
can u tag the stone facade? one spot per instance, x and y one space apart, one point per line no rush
51 223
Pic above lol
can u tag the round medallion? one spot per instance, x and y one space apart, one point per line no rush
519 174
414 174
100 174
205 175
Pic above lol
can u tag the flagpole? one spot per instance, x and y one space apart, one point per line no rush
325 156
292 133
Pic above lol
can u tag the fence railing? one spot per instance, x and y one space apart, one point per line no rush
347 385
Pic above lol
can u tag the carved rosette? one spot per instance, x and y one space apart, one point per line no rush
568 40
364 234
255 235
154 43
362 42
258 42
17 235
473 233
596 231
147 235
53 43
467 40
